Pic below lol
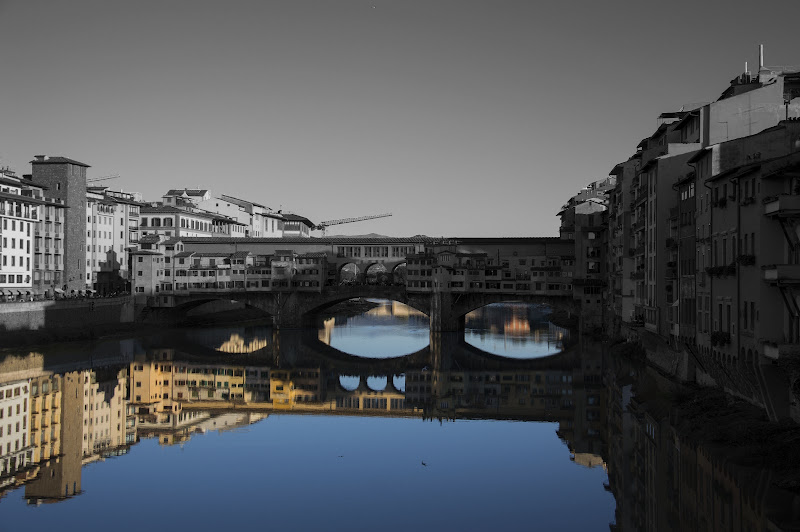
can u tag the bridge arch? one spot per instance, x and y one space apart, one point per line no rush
194 308
399 273
349 266
348 383
468 303
377 383
376 270
390 293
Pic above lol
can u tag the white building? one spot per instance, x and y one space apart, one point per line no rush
112 224
257 220
19 212
104 412
297 226
16 450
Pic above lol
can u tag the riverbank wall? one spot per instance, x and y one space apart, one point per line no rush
760 383
63 319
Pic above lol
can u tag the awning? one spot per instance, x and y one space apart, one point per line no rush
676 302
58 291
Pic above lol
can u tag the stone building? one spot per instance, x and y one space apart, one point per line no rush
65 180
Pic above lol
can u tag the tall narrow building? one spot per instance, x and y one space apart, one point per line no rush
66 180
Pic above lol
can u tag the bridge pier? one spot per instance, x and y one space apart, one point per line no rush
442 316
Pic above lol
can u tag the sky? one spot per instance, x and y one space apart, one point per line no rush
460 117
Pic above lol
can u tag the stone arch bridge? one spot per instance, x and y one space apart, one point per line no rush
296 309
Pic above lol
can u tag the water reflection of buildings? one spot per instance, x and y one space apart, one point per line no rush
237 344
664 479
386 311
54 421
171 393
659 477
516 323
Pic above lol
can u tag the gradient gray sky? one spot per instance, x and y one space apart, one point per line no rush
463 118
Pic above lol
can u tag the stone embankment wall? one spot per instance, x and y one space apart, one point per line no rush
65 314
760 383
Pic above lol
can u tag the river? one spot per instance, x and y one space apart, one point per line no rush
367 420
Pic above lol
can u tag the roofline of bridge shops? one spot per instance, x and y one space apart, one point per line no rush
419 239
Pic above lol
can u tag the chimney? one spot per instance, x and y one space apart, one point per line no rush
760 57
39 157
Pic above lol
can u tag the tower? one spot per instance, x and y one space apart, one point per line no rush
66 180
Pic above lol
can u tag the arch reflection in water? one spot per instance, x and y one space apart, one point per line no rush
605 412
516 330
389 329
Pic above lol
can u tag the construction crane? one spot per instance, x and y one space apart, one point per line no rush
323 225
102 178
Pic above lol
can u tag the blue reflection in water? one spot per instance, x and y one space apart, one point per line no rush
348 382
514 330
391 329
300 472
325 473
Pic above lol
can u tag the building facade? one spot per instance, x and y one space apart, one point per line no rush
65 180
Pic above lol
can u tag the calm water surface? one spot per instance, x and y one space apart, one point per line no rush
368 421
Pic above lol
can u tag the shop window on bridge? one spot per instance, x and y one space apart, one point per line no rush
399 251
374 403
376 251
348 251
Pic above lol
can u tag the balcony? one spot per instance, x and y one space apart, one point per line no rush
782 273
782 206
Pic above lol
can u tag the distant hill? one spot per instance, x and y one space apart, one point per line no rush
369 235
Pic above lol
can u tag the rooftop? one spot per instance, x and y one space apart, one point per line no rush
297 218
44 159
187 191
334 240
241 202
